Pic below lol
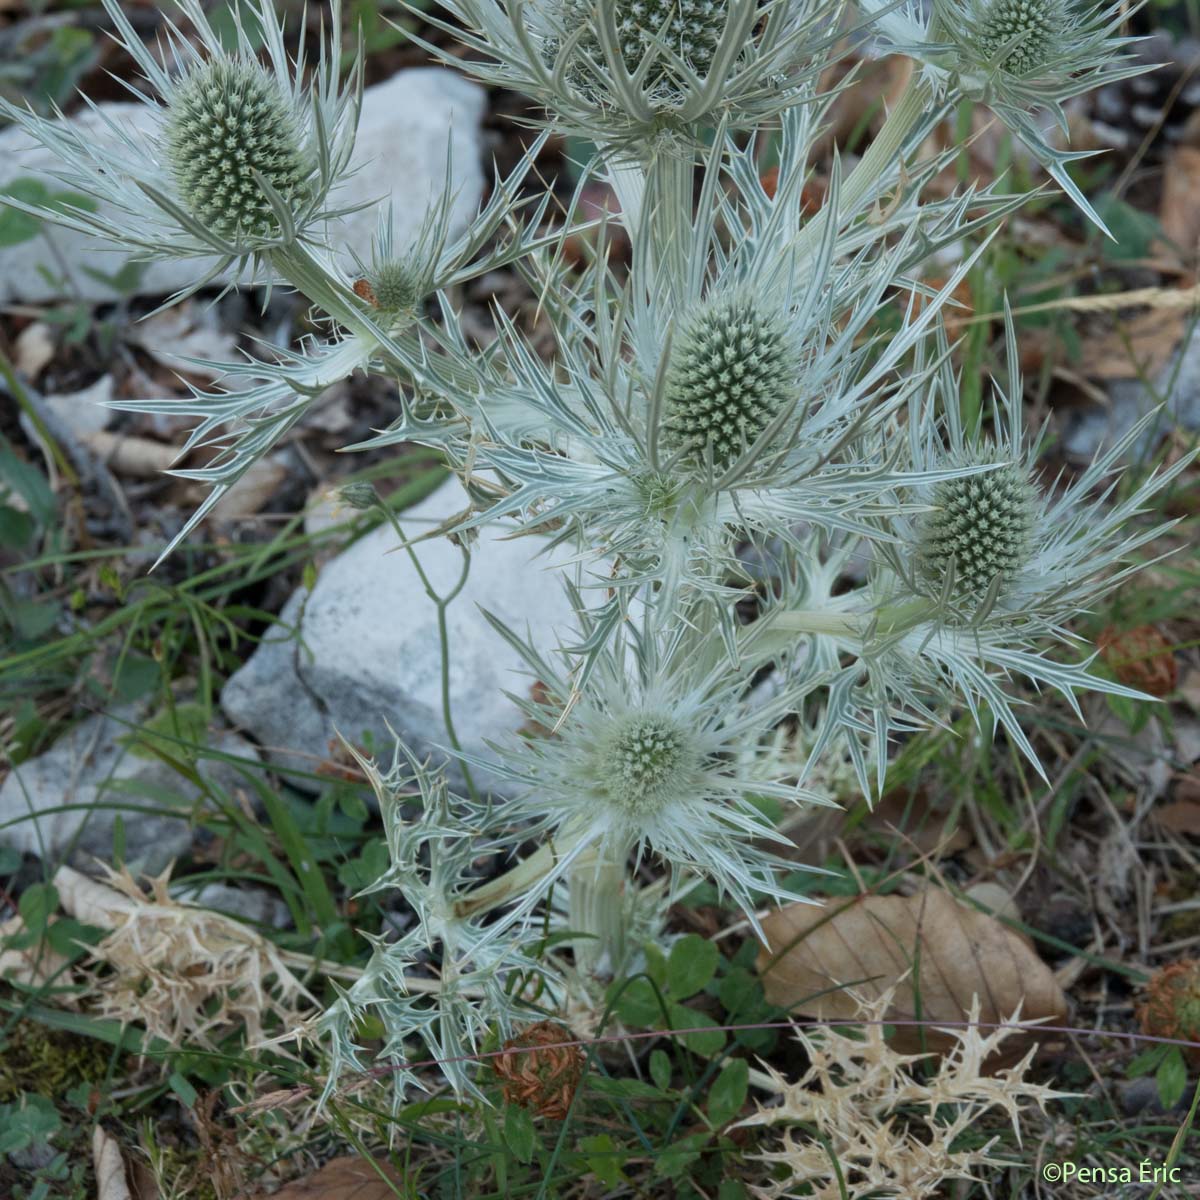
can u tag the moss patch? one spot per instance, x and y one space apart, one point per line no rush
47 1062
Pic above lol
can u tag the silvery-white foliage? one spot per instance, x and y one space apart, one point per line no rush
654 757
1019 57
641 78
914 633
486 976
723 432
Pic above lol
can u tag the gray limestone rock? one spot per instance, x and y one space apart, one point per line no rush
367 653
64 804
253 904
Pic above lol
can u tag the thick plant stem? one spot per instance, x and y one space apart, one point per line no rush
544 861
818 620
597 909
628 181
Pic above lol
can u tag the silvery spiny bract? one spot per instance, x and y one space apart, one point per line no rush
647 760
640 76
692 29
719 433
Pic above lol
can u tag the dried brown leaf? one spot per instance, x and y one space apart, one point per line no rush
249 495
35 346
136 456
109 1165
936 953
1138 348
1181 816
1142 658
1178 212
921 821
346 1178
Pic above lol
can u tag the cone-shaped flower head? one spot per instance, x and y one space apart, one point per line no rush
652 757
641 759
639 76
243 144
231 135
731 373
979 530
1020 58
691 28
1021 36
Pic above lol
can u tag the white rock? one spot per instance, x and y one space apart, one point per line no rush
362 651
406 124
63 804
253 904
83 411
34 349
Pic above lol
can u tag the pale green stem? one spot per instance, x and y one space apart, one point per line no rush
412 983
441 603
528 872
315 277
874 169
817 620
597 908
894 618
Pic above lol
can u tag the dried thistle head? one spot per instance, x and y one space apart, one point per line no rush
889 1130
1171 1007
184 973
537 1072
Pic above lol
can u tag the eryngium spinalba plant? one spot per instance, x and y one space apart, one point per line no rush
726 421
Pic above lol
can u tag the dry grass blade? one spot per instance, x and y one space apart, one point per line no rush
930 953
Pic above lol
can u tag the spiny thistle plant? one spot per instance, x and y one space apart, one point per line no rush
724 423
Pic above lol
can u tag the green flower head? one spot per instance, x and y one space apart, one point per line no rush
690 28
231 134
642 761
1020 36
731 373
979 530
